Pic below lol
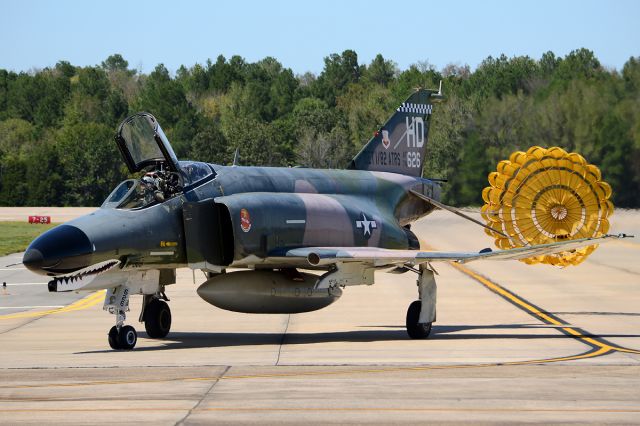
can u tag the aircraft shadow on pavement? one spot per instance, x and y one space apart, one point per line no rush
187 340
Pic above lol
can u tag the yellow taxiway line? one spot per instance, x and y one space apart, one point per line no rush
604 347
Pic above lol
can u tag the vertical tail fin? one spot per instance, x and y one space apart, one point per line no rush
400 145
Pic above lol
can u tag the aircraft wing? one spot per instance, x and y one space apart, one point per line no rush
319 256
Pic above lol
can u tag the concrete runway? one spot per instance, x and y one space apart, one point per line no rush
513 343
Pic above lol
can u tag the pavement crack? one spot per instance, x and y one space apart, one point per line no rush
284 336
204 396
618 268
21 325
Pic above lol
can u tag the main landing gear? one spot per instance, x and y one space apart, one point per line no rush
155 314
157 318
422 313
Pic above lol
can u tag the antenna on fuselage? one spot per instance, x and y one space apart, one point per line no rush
236 157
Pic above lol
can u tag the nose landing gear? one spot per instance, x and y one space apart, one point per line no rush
117 302
155 314
125 338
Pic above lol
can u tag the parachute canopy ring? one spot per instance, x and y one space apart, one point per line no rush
543 196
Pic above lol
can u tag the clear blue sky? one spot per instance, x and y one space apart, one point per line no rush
37 34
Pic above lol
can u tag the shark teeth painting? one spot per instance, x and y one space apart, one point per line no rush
81 278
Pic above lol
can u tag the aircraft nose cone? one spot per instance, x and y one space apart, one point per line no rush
62 249
32 259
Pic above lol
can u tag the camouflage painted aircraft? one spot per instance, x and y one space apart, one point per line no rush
267 223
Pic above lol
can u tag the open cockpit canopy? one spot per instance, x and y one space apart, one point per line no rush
142 143
144 146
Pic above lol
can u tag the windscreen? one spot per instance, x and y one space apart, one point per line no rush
119 193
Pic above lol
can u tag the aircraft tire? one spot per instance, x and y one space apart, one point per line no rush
127 338
414 329
113 338
157 319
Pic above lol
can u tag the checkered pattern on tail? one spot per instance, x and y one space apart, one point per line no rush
415 108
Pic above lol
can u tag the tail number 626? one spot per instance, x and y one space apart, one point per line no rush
413 159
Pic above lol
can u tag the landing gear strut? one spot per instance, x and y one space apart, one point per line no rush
422 313
117 302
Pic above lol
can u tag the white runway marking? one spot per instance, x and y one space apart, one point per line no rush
17 284
31 307
12 269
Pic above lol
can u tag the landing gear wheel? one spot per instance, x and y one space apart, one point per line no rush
414 329
127 337
113 338
157 319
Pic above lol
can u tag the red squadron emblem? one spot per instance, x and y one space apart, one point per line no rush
245 220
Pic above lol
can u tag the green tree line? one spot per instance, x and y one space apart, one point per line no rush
57 124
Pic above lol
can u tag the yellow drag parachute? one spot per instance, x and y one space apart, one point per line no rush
547 195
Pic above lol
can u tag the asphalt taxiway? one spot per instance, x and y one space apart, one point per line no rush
512 343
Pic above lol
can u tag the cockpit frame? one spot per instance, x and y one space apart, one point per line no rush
145 147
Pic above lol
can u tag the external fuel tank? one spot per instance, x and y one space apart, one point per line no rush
267 292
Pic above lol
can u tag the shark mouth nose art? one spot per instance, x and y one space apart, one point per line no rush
82 277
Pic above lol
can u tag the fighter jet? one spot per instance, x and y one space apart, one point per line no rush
269 239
